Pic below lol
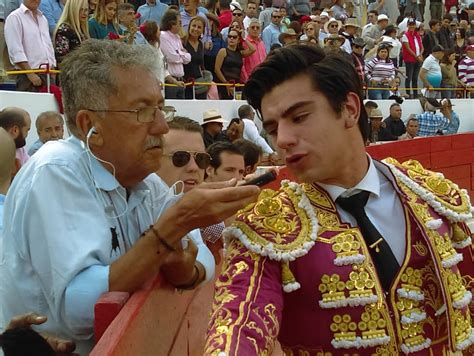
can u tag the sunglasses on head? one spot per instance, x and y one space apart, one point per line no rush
182 158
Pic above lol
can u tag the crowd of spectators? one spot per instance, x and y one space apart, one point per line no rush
221 42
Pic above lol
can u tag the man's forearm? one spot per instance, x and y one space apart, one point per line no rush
23 65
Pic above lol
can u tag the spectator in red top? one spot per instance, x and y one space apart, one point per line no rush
412 50
225 17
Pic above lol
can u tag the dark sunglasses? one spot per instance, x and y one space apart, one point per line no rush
182 158
333 25
239 14
276 17
232 37
357 46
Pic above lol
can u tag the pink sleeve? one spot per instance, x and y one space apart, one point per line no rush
248 305
14 39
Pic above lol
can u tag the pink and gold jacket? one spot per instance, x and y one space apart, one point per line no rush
296 273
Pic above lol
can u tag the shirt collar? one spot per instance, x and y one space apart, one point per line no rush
102 177
370 183
25 9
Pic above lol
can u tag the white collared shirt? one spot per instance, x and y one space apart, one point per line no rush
383 208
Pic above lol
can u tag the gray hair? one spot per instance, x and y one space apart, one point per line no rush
47 114
87 80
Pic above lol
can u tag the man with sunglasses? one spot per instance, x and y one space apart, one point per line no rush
271 33
116 224
357 55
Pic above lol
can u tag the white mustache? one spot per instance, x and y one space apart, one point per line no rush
153 142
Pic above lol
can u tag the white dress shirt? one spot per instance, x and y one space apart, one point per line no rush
383 208
251 133
60 216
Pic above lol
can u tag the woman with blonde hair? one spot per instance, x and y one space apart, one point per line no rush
72 28
104 22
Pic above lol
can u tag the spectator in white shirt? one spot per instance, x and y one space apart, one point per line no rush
29 44
251 133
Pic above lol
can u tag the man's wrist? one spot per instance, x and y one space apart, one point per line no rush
192 281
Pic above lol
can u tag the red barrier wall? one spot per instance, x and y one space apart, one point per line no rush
159 320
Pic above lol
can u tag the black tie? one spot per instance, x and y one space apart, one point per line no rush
385 262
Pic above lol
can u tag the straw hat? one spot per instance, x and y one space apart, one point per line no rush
331 20
212 115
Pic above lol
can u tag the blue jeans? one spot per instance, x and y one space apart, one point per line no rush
376 94
412 72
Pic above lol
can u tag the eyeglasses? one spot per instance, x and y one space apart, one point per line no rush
146 114
255 27
182 158
333 26
276 17
232 37
239 14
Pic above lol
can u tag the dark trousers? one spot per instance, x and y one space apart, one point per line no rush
413 70
24 84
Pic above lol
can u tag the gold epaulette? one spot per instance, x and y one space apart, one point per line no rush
444 196
281 225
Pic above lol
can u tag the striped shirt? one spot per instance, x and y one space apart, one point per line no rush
466 71
430 123
379 70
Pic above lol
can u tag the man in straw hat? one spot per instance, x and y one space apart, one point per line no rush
350 31
347 261
212 124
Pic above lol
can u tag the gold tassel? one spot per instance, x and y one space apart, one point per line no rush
459 234
287 276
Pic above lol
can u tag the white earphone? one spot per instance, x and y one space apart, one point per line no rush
91 132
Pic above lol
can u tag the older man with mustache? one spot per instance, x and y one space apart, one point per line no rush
88 215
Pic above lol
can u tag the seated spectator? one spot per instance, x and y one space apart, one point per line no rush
250 62
466 70
227 162
194 69
235 129
50 127
29 44
152 10
106 169
430 73
430 123
333 44
253 154
17 123
247 114
312 32
380 73
394 125
7 168
104 23
375 128
370 105
184 155
412 129
175 54
128 25
450 80
447 111
212 124
52 10
72 28
288 37
350 31
229 63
